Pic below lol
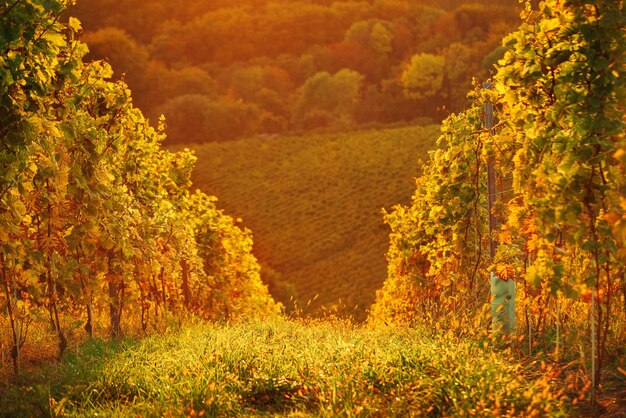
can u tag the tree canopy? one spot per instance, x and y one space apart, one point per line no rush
263 53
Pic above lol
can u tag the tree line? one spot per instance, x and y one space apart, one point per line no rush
222 70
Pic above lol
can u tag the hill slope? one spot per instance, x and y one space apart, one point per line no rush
314 205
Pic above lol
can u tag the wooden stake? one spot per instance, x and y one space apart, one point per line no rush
502 292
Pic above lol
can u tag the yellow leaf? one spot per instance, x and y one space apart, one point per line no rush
75 25
4 236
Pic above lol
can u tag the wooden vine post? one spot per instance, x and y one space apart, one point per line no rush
502 291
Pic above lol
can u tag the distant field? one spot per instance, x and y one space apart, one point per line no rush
314 206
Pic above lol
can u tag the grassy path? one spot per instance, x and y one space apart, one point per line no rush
322 368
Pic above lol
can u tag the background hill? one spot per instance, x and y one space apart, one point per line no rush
314 204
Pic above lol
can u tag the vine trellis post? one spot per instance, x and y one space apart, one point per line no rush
502 291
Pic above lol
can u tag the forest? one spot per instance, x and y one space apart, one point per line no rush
127 291
220 70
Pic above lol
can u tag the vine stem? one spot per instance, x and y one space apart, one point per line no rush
593 349
558 328
11 7
15 354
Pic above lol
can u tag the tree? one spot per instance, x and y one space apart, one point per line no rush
374 34
423 77
197 118
370 44
267 87
126 56
459 68
336 94
160 84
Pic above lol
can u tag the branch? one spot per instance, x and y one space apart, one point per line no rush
11 7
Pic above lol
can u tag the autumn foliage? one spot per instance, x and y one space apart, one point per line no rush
95 216
558 143
220 70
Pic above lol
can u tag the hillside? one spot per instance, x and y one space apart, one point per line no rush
314 204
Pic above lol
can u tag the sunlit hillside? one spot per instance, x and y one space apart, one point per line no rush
314 205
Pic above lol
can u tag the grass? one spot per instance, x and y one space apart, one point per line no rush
289 368
314 205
